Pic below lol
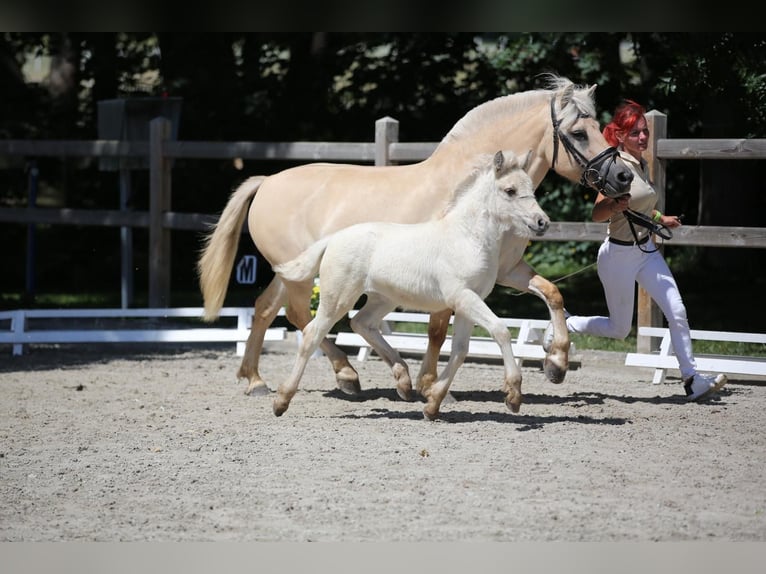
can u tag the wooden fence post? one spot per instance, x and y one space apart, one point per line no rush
159 203
386 132
648 313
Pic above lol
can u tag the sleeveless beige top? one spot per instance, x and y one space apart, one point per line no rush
643 198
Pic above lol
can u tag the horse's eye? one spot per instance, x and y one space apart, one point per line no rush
510 191
580 135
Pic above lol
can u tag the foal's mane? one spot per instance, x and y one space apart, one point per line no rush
502 107
482 167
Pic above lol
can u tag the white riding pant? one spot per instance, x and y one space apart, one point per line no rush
620 267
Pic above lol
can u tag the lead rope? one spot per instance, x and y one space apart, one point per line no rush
581 270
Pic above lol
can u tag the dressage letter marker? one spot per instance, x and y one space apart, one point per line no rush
247 269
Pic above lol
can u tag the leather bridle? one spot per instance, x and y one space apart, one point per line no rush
595 171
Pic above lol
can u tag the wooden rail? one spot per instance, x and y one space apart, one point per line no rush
385 150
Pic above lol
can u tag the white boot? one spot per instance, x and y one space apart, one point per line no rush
699 386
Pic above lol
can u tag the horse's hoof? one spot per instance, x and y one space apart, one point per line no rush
258 389
430 414
553 372
279 407
514 403
405 392
349 387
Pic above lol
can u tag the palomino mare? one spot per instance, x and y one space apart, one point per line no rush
290 210
446 263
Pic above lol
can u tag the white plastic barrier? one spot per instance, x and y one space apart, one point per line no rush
527 345
21 334
664 359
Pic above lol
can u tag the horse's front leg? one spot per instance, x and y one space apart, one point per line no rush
524 278
438 323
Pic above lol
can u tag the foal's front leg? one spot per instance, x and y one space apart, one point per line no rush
437 392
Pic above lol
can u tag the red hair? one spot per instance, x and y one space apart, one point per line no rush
625 117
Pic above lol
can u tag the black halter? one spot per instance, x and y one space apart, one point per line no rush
594 171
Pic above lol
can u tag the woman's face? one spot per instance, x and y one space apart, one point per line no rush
636 139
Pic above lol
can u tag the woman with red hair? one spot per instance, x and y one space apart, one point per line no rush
628 256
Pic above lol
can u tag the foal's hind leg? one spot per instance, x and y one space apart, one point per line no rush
299 314
267 306
367 323
315 331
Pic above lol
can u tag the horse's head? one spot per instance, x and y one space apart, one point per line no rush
578 150
515 194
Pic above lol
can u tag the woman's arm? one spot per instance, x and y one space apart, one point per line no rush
604 207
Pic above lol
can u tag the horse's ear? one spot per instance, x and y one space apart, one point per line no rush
566 96
591 90
527 160
498 161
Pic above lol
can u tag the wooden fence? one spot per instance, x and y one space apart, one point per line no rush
385 150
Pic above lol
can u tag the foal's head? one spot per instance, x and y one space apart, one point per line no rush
513 197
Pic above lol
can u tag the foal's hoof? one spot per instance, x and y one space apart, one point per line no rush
405 392
347 380
514 402
553 372
257 389
349 387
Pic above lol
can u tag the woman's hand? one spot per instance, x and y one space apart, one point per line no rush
671 221
620 203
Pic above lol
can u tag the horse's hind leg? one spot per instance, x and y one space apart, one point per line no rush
267 305
367 323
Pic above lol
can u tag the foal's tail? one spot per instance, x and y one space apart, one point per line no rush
306 265
220 249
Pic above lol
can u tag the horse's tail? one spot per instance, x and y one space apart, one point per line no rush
220 247
306 265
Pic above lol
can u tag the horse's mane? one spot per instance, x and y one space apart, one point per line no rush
500 108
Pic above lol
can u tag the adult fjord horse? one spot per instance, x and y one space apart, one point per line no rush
290 210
